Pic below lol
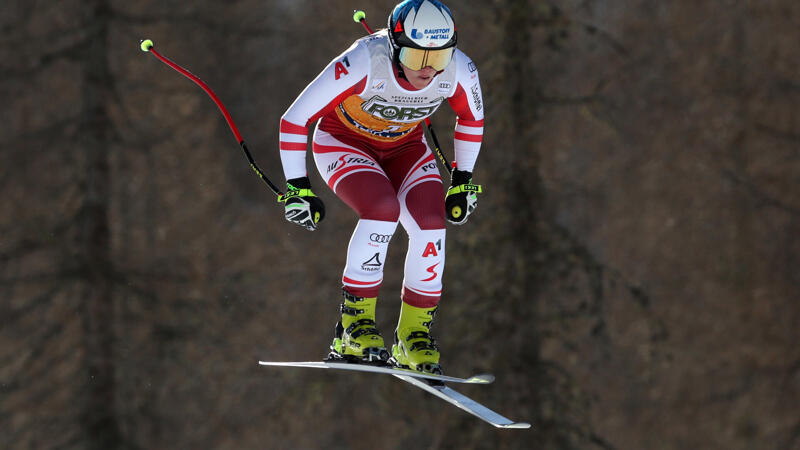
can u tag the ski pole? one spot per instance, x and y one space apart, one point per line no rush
361 16
147 46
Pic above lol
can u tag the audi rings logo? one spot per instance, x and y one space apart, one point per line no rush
380 238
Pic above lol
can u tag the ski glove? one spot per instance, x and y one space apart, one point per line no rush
462 197
301 206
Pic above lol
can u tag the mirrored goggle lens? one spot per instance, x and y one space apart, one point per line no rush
416 59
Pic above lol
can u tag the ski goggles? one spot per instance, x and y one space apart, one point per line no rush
417 59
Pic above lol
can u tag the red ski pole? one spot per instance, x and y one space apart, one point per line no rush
147 46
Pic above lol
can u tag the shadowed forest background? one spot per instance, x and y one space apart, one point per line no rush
631 274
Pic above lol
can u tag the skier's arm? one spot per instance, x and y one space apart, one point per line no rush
467 102
344 76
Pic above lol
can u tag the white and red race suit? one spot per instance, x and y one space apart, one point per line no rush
370 148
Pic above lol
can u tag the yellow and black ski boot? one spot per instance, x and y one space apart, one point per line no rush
414 346
357 338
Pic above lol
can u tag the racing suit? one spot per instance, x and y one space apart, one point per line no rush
370 149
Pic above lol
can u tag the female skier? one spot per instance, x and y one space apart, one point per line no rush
370 149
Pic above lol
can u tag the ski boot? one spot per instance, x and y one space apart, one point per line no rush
356 338
414 347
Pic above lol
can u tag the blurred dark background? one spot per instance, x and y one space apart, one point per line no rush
631 274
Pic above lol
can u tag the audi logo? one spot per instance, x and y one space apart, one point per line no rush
380 238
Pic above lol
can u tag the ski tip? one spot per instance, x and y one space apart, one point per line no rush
483 378
516 426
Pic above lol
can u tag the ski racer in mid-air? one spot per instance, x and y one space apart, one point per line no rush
370 148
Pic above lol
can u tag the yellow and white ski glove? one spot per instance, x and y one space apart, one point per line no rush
301 206
462 197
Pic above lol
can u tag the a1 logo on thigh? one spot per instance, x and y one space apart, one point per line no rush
432 249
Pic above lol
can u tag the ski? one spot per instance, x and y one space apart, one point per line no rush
465 403
475 379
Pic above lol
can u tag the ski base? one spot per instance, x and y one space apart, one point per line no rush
475 379
465 403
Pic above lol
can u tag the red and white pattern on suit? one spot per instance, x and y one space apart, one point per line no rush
370 149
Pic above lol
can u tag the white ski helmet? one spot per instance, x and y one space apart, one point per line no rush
422 33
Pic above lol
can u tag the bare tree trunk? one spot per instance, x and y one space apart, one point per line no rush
99 417
525 181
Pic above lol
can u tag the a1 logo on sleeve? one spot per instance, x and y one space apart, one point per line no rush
339 69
